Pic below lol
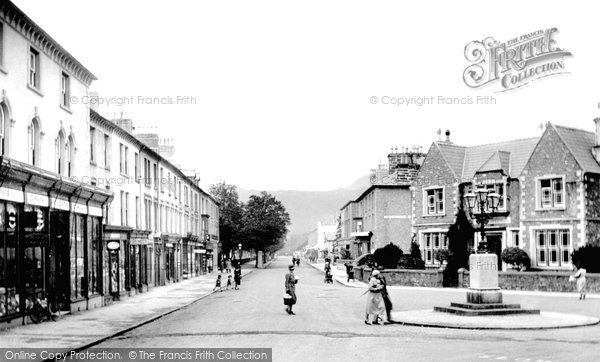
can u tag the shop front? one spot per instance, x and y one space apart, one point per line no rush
139 261
116 262
189 263
47 240
171 257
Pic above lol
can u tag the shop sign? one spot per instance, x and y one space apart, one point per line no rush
36 199
113 245
95 211
116 236
200 251
169 245
79 208
60 204
11 194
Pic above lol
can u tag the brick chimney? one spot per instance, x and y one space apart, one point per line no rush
448 136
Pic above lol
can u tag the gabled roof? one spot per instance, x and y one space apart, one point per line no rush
499 161
510 156
580 143
519 152
454 156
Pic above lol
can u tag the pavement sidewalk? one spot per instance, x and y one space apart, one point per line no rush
339 275
85 329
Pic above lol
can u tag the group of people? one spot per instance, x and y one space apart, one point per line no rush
237 279
378 300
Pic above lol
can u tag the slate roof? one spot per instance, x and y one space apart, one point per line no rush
580 143
510 156
499 161
454 156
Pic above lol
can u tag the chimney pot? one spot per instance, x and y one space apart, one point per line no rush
447 135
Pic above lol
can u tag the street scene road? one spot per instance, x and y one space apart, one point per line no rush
328 325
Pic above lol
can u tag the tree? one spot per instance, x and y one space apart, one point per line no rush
516 257
388 256
230 215
414 260
587 257
265 222
459 235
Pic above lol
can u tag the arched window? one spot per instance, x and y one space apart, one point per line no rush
4 129
60 153
33 142
2 123
70 157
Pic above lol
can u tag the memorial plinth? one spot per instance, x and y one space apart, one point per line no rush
484 296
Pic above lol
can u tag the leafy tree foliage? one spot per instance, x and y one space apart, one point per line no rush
230 215
264 223
587 257
414 260
388 256
459 235
516 257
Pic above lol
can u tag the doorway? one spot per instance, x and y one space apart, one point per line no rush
494 244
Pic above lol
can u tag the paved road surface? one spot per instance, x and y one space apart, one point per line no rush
329 326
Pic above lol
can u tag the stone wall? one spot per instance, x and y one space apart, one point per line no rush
509 280
413 278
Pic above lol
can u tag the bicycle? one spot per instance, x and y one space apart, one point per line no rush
38 309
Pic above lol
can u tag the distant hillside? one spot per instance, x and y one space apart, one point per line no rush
306 208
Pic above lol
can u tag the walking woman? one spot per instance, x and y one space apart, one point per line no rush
579 277
290 288
375 306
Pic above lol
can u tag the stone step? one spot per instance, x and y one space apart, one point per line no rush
485 306
485 312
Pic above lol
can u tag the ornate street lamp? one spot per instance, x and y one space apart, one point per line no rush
483 204
240 251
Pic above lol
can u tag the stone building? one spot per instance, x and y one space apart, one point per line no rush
382 213
549 189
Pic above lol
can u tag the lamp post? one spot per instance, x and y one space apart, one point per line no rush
239 251
483 204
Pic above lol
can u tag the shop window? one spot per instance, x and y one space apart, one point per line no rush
9 297
78 277
93 255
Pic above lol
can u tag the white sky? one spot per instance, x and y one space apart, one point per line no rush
283 87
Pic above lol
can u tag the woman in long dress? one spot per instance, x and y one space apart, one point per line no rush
375 306
290 288
581 282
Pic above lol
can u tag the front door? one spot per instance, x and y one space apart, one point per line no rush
494 244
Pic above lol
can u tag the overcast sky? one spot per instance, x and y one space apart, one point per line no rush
283 88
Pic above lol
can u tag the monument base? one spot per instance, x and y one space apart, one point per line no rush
484 296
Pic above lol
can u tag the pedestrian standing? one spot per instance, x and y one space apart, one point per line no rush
375 306
237 276
387 302
218 284
349 272
229 283
228 264
290 288
579 278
